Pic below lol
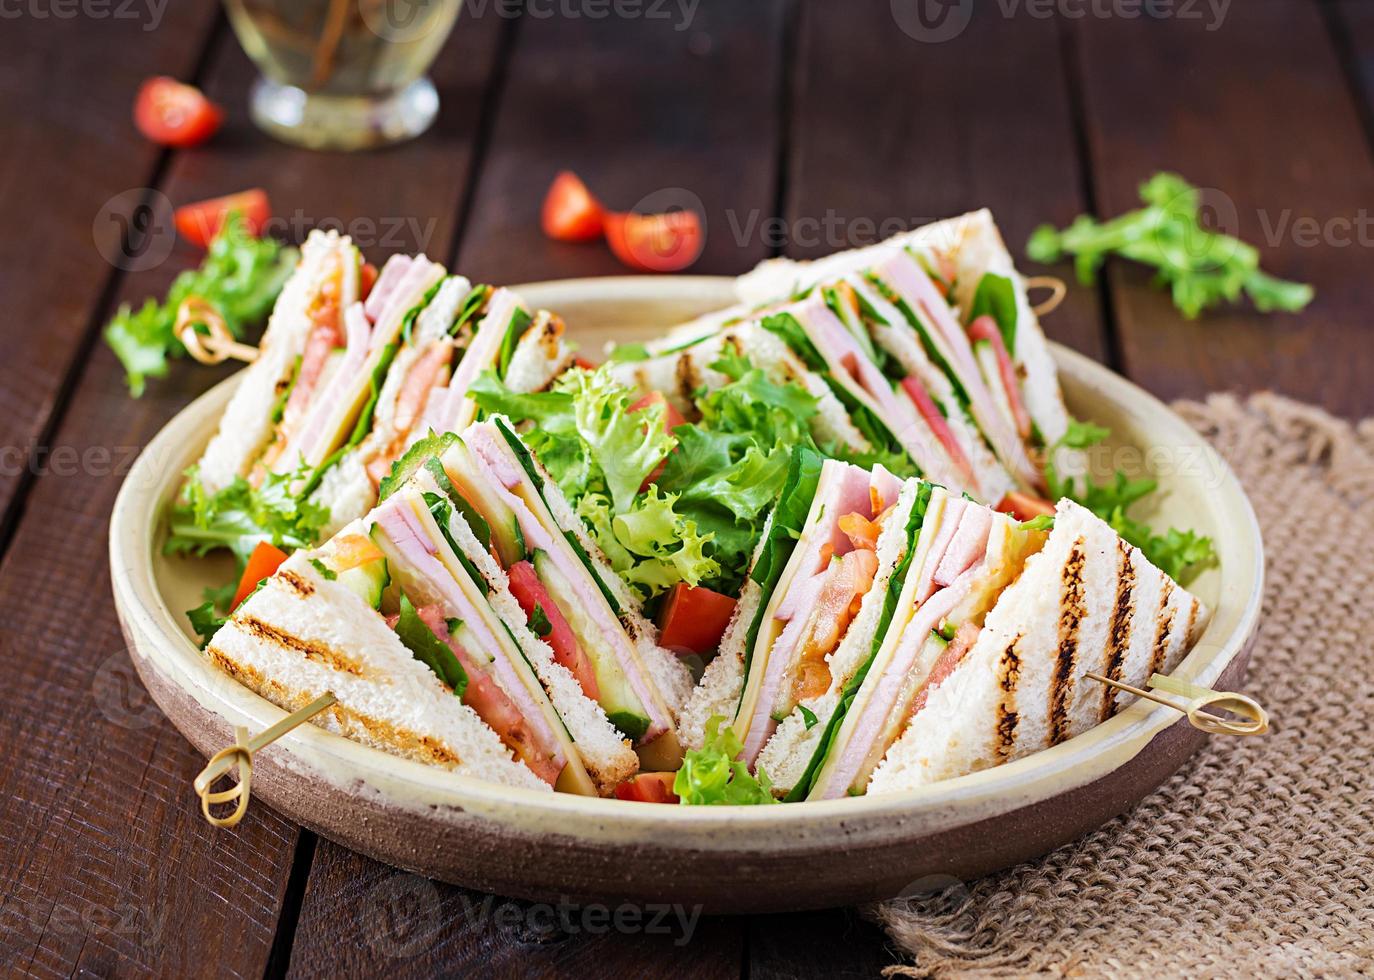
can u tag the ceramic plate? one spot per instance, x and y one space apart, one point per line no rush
724 859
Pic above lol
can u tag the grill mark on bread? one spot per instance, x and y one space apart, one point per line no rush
1165 619
1071 613
1119 636
1008 675
687 379
1193 606
320 653
296 584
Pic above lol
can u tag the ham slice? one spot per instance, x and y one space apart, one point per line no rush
409 537
357 334
505 474
385 286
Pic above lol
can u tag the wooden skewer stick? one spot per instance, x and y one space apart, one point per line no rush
1256 719
217 344
1057 293
241 752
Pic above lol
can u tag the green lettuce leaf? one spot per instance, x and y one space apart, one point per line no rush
996 297
239 516
240 276
713 776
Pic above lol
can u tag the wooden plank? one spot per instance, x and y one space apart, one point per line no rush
361 918
827 944
1352 23
635 106
70 146
632 105
112 867
1285 153
890 132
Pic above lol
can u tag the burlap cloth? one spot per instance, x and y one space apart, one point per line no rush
1257 858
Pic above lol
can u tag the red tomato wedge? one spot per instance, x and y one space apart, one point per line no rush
648 787
985 328
1023 506
672 418
693 619
530 592
571 213
199 223
172 114
265 559
655 242
367 278
939 426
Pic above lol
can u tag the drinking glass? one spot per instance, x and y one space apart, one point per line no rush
343 74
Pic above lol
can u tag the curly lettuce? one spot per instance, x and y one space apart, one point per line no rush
713 775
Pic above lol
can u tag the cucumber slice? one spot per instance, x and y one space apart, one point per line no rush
622 707
368 581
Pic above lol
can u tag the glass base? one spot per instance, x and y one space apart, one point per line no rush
340 122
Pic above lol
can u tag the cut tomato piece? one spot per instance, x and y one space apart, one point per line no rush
655 242
199 223
672 418
571 213
693 619
351 550
531 594
648 787
1023 506
985 328
172 114
939 425
265 559
367 278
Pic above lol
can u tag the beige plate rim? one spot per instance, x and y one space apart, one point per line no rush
159 641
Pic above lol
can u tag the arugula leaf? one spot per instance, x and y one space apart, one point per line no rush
239 516
472 306
519 323
809 718
432 445
429 649
713 776
1182 555
1040 522
326 573
785 325
539 622
996 297
206 621
1202 268
240 277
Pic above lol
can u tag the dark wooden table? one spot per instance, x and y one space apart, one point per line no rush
825 115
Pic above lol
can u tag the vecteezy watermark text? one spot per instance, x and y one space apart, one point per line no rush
149 12
937 21
680 12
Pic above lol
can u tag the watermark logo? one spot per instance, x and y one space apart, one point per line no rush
134 230
120 696
932 21
405 21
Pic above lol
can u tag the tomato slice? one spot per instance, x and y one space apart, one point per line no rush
1023 506
265 559
672 418
655 242
571 213
985 328
693 619
199 223
530 592
172 114
648 787
939 425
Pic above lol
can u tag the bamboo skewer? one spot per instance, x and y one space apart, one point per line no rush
216 344
1057 293
1256 719
241 752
